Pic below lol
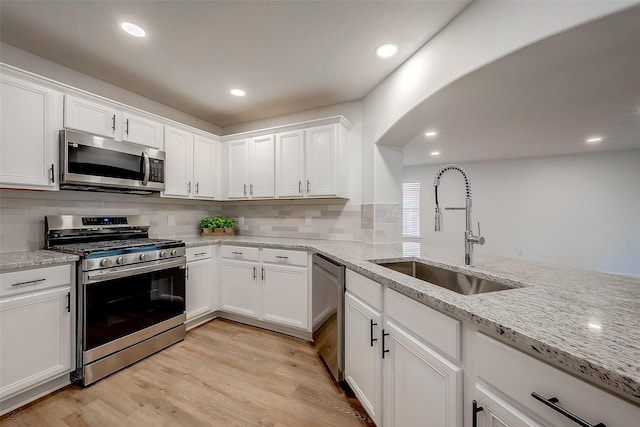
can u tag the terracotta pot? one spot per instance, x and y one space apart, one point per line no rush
229 231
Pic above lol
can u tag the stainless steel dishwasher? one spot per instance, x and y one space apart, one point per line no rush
327 310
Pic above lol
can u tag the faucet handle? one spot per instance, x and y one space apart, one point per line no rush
480 238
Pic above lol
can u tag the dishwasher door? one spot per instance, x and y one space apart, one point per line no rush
328 313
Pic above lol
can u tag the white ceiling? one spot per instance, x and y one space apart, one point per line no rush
288 55
545 99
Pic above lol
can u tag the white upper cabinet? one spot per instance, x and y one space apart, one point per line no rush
321 161
262 167
206 170
142 131
191 165
103 119
31 117
237 169
290 177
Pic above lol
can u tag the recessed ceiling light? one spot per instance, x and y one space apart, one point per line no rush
431 133
594 140
435 153
386 50
132 29
237 92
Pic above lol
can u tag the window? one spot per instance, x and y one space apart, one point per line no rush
411 209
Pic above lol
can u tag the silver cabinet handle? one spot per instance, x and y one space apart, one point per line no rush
113 125
197 187
251 189
189 187
53 174
126 129
200 254
28 282
282 257
237 253
308 186
299 187
262 273
255 272
245 189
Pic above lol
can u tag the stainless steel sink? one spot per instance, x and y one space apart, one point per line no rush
448 279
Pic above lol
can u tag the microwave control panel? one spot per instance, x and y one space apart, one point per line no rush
157 170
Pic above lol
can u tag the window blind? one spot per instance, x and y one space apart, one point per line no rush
411 209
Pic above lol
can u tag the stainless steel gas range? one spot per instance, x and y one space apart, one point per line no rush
130 292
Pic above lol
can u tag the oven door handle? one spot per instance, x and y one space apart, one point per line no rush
147 168
125 272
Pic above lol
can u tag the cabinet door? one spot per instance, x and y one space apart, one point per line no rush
363 361
239 287
143 131
91 117
199 289
30 118
321 161
290 180
205 167
497 412
262 167
237 169
421 388
178 145
285 295
36 339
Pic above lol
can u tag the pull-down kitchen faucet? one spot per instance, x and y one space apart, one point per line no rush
469 238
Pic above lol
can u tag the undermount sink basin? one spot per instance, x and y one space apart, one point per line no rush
448 279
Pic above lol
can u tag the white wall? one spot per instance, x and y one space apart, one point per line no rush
580 211
41 66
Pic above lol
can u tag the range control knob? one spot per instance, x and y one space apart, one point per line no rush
121 260
105 262
174 252
144 257
163 254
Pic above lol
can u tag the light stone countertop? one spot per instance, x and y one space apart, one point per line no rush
585 322
31 259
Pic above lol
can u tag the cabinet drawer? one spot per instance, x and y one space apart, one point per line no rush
517 375
198 253
365 289
436 329
32 280
240 252
287 257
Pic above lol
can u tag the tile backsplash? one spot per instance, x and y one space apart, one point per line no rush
22 216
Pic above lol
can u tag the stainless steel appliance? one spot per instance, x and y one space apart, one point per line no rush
328 313
130 293
91 162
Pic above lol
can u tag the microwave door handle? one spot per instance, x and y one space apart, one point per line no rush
147 169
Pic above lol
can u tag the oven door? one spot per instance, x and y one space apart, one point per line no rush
122 311
90 160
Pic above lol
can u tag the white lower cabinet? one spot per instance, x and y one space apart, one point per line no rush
363 361
496 411
35 331
201 289
270 285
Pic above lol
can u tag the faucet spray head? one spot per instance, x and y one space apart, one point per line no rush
438 218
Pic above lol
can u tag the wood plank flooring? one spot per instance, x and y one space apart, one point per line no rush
222 374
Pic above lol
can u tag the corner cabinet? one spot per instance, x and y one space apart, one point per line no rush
31 117
35 329
295 161
191 165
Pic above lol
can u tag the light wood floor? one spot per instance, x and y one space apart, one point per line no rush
223 374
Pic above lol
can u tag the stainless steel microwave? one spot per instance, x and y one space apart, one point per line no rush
89 162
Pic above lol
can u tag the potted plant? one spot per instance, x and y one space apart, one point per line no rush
212 225
230 226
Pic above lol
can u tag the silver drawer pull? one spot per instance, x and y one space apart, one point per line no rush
200 254
237 253
282 257
29 282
